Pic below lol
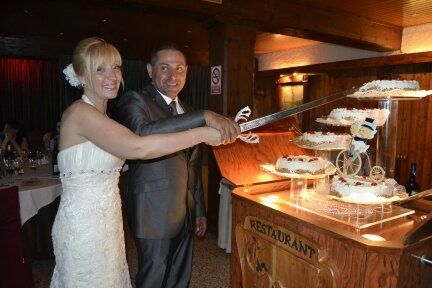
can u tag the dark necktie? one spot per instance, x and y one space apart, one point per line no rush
173 107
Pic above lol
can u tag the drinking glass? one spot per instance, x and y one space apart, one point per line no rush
33 163
8 165
17 164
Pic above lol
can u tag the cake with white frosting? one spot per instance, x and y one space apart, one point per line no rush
385 85
357 115
301 164
390 88
330 139
348 116
359 188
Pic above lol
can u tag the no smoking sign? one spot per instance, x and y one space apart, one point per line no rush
216 80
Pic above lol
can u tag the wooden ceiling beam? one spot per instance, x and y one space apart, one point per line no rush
295 19
375 62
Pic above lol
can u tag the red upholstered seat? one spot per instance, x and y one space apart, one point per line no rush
15 266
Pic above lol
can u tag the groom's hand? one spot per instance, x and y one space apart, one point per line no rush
200 226
228 128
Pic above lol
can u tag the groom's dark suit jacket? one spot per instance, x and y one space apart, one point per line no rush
162 190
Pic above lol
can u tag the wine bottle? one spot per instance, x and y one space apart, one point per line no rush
54 153
411 185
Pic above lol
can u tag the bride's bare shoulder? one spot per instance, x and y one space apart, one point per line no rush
77 108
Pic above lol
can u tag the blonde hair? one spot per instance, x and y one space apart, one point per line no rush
89 54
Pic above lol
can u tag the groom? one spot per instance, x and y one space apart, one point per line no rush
164 202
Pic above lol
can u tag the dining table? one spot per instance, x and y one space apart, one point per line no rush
38 191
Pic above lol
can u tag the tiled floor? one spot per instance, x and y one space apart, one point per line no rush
210 265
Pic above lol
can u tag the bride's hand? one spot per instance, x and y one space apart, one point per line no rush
212 136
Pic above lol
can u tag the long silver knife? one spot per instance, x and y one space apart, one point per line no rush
249 125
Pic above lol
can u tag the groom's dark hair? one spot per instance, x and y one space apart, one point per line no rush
164 46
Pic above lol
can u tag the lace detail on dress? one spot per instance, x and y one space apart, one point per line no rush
88 232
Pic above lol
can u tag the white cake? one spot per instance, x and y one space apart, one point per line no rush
301 164
348 116
390 88
359 188
385 85
319 137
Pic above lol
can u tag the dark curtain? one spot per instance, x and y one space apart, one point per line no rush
36 93
29 92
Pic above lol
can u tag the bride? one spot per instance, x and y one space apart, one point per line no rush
88 233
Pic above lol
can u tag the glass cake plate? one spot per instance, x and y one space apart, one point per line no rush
372 201
355 215
394 94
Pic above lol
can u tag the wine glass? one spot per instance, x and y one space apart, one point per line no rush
17 164
8 164
33 163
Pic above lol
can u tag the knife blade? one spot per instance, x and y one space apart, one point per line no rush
249 125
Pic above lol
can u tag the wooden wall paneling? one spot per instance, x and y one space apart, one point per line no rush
265 96
316 93
427 165
422 76
403 127
413 131
305 117
307 97
414 127
239 65
403 130
216 35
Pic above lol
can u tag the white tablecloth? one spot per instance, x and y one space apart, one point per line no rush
34 197
225 217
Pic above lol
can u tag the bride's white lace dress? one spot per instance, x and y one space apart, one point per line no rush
88 233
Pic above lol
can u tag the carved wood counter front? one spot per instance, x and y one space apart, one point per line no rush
277 244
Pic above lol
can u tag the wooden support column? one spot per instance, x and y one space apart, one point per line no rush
232 46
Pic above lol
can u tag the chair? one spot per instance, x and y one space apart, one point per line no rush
15 266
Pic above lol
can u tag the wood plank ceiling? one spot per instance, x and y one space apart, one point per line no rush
134 25
396 12
403 13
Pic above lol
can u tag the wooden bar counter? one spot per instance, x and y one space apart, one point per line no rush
277 244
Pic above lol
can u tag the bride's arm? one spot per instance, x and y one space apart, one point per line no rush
82 122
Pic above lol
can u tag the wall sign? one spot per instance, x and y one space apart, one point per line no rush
216 80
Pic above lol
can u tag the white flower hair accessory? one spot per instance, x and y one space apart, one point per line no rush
71 77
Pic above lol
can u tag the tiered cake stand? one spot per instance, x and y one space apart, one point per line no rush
387 134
